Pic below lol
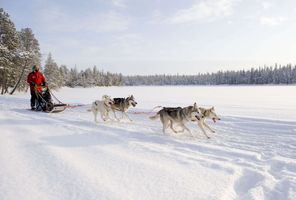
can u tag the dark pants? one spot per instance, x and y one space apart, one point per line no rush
33 98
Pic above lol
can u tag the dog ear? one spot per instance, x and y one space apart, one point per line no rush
194 105
212 108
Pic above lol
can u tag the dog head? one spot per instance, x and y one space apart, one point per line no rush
107 100
131 101
213 115
195 112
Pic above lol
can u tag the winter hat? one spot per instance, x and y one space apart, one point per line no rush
35 67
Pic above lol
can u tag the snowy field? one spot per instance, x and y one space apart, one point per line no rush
61 156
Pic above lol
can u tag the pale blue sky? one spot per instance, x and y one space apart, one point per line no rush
161 36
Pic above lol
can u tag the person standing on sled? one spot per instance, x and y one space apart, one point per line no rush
35 79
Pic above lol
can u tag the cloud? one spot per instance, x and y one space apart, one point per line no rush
266 5
272 21
206 10
119 3
56 20
107 22
156 17
121 47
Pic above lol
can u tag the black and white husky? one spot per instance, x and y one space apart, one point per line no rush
177 116
122 105
103 107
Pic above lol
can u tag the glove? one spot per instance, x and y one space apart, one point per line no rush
44 84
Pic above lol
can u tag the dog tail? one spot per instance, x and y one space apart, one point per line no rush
155 116
157 107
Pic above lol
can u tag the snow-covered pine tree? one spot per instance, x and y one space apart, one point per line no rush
89 78
81 81
9 43
52 73
65 74
28 55
96 76
73 78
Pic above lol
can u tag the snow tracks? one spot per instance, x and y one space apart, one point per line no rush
68 156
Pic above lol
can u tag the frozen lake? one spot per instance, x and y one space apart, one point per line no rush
68 156
267 102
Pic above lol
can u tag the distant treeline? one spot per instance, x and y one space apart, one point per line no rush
63 76
262 75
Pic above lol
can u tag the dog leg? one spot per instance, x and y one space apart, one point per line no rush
127 116
103 117
107 116
95 116
182 130
115 116
164 125
187 129
209 127
172 127
203 130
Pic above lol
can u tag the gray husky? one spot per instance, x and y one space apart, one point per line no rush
207 114
122 105
177 116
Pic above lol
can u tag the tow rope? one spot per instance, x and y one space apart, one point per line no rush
54 96
146 113
74 105
66 105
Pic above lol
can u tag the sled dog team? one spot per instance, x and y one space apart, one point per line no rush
170 117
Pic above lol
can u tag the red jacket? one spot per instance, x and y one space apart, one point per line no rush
36 78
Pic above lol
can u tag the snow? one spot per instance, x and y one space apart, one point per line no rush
68 156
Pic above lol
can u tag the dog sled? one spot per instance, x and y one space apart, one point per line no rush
45 103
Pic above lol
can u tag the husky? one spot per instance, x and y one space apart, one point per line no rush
103 107
169 116
207 114
122 105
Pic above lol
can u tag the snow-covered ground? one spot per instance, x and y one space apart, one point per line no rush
66 155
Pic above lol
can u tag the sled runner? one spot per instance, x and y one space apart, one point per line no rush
45 103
